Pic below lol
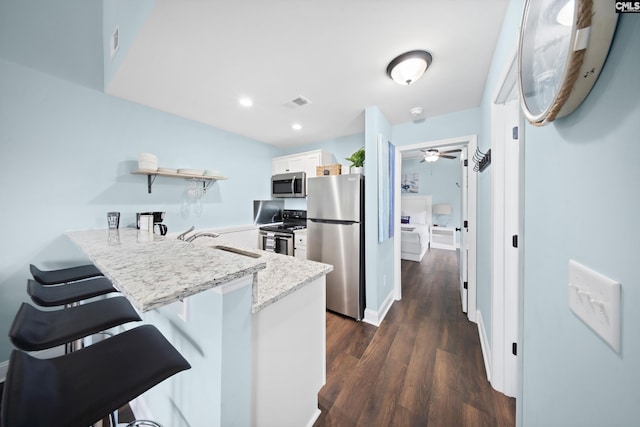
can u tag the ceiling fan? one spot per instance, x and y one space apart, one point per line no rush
432 154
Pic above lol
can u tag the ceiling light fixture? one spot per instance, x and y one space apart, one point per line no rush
409 67
296 126
245 102
431 156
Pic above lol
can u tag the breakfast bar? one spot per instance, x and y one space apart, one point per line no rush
251 324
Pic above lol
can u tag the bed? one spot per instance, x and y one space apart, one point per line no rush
416 221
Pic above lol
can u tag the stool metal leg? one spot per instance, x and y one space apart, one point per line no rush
148 423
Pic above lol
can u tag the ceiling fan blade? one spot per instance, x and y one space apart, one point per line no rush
422 161
451 151
447 157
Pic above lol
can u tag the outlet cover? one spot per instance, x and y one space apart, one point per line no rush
595 299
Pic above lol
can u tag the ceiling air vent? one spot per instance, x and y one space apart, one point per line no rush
298 102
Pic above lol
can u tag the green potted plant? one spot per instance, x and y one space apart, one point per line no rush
357 161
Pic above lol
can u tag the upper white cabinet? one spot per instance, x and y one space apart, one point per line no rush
302 162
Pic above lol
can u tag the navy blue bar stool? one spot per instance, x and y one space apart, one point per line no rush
51 296
33 329
64 275
81 388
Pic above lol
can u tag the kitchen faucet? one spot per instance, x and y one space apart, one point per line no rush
181 236
195 236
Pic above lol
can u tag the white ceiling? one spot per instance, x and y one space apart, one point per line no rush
195 58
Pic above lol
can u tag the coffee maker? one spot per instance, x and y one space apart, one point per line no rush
158 217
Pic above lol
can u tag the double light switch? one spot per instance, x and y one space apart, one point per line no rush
595 299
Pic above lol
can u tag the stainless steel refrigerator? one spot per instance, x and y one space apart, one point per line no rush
335 235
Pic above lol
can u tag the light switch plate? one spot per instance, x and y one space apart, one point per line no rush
595 299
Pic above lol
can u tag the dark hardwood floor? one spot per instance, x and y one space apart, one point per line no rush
422 367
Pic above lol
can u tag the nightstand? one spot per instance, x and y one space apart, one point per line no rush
443 238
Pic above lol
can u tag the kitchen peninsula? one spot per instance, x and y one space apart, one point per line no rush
251 324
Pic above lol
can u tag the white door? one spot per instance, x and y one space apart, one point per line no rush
513 245
464 236
507 239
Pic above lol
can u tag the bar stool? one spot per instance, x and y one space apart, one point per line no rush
50 296
64 275
33 329
83 387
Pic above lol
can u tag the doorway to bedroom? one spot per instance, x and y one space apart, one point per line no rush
450 212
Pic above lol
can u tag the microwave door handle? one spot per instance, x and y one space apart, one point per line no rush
293 184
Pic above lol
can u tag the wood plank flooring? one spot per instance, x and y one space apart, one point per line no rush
422 367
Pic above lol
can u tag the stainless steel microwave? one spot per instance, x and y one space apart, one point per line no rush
292 184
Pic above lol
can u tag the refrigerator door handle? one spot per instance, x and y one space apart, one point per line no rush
332 221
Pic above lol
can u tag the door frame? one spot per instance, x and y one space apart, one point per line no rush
463 258
506 296
471 141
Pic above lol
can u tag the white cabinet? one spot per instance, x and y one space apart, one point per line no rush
289 358
443 238
300 244
302 162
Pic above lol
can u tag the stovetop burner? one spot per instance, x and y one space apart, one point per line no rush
291 220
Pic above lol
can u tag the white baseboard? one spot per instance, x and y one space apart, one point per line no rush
314 418
484 344
374 317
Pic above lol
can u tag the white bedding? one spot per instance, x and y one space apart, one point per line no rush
414 243
419 233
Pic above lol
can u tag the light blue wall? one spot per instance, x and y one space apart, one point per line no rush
379 256
62 38
66 153
582 203
439 179
460 123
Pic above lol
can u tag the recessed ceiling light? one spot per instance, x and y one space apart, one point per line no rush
245 101
296 126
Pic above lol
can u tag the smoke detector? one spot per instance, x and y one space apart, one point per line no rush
417 114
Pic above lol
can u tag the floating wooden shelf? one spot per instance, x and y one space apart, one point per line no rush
152 175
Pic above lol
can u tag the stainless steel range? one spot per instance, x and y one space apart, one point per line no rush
279 238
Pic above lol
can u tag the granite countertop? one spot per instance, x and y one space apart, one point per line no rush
154 270
283 275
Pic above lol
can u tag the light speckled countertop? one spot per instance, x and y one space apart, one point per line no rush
154 271
284 274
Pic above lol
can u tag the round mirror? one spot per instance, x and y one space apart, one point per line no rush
563 46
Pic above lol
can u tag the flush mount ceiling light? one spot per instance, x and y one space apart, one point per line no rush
296 126
409 67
